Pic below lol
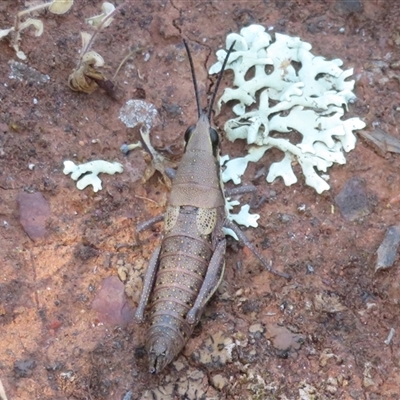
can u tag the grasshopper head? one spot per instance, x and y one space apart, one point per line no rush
160 354
202 137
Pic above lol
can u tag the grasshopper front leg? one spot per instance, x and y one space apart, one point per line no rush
212 280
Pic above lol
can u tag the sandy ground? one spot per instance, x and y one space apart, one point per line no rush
320 336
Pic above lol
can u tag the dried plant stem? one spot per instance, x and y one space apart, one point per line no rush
34 8
97 31
125 59
27 11
147 199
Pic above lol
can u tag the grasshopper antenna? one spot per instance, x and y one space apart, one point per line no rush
210 107
193 78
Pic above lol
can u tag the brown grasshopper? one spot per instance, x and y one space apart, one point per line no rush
186 270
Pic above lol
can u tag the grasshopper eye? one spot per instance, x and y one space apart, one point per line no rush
189 132
214 137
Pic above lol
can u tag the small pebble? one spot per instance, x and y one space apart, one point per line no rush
332 381
331 389
239 292
285 218
196 375
179 365
123 273
24 368
301 208
128 395
390 336
387 251
219 381
256 328
353 200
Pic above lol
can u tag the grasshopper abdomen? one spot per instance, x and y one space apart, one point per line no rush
184 258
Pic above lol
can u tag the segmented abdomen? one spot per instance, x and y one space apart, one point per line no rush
184 259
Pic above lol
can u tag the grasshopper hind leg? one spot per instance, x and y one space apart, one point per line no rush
212 280
243 238
148 284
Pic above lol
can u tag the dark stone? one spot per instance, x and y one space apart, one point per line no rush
285 218
250 306
172 110
353 200
24 368
349 6
85 252
140 352
387 251
111 303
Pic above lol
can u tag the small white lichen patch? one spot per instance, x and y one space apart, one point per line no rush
295 91
23 72
243 218
90 170
136 112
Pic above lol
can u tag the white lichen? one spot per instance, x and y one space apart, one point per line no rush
297 91
136 112
87 174
243 218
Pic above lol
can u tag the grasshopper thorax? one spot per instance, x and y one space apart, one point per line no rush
202 137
